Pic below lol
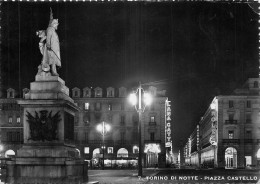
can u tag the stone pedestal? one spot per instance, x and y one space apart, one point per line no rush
48 154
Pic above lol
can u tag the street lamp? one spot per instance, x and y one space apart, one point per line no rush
140 99
103 128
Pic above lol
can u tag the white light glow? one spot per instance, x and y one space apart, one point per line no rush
132 99
147 98
107 127
99 128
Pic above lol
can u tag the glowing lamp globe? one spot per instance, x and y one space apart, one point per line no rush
132 99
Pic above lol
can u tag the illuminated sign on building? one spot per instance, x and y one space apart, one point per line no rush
214 123
168 141
198 137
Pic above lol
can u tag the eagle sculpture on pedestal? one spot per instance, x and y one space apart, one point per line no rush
43 127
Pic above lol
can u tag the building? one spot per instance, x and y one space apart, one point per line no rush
228 134
112 107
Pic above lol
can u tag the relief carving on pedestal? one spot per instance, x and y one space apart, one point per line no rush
43 127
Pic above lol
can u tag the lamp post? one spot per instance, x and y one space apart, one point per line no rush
103 128
140 99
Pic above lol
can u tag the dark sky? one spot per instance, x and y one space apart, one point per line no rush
199 49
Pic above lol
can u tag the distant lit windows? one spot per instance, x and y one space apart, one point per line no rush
110 107
110 150
10 119
18 119
230 103
152 119
86 150
231 134
86 106
98 92
135 149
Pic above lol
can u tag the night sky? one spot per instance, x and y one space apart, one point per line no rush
197 49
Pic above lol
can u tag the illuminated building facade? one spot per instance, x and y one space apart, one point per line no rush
111 106
229 131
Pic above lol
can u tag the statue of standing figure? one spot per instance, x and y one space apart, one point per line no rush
50 49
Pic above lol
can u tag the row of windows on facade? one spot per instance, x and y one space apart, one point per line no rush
10 119
13 136
110 106
231 104
87 119
122 136
87 92
110 150
98 92
231 120
248 134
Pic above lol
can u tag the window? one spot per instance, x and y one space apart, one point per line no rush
76 93
18 119
11 94
110 150
230 104
98 106
10 119
135 149
122 122
152 119
87 93
248 104
110 93
256 84
110 107
86 150
231 117
122 136
86 106
248 134
18 137
122 106
9 136
98 93
152 136
248 118
231 134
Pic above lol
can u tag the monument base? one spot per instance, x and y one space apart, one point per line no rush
46 164
48 120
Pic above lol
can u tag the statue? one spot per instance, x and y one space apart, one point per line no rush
50 49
